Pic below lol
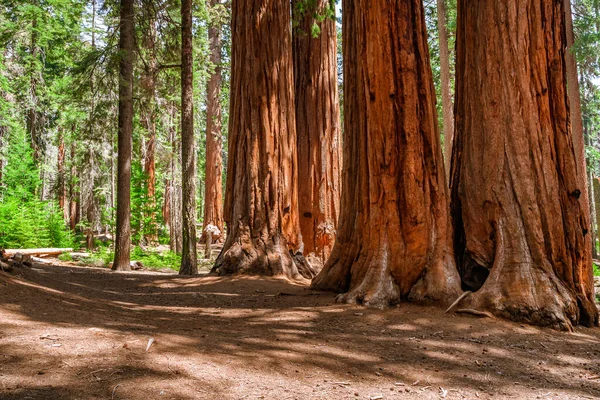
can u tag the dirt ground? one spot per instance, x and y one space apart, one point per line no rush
70 332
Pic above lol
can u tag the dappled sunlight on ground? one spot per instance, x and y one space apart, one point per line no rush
82 333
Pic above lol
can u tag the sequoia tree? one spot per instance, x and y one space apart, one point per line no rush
394 239
317 124
126 48
261 200
213 196
189 265
521 231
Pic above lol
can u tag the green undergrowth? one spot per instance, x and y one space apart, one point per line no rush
151 259
596 269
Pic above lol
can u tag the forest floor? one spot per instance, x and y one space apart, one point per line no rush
70 332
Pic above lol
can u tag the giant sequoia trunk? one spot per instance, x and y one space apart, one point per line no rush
317 126
522 235
189 265
394 239
126 45
261 203
213 195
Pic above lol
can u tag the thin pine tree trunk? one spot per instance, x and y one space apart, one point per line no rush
447 106
189 265
126 46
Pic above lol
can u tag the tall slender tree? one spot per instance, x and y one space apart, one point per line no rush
394 239
447 108
522 232
189 265
317 123
126 48
148 111
213 196
261 200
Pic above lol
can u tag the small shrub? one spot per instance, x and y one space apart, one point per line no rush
65 257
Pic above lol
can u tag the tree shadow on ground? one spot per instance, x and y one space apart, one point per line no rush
250 336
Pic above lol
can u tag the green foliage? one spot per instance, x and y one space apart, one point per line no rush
32 224
155 259
596 269
149 258
319 14
65 257
25 221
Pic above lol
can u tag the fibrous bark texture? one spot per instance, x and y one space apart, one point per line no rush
317 126
261 198
213 195
189 256
126 46
394 240
521 229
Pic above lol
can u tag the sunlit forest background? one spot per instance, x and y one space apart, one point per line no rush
58 118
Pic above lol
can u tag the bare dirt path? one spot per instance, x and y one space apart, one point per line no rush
82 333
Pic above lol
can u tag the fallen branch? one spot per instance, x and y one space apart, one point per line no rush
36 252
462 296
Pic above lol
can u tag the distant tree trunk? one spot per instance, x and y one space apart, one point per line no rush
3 130
522 230
593 212
575 101
213 195
596 182
126 47
73 192
174 207
166 207
447 106
148 83
318 126
60 169
32 123
189 265
394 242
261 198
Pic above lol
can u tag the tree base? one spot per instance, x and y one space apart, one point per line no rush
373 284
255 257
528 293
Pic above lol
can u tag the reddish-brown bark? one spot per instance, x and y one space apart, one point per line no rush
261 200
213 195
317 126
516 197
74 214
60 167
394 239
